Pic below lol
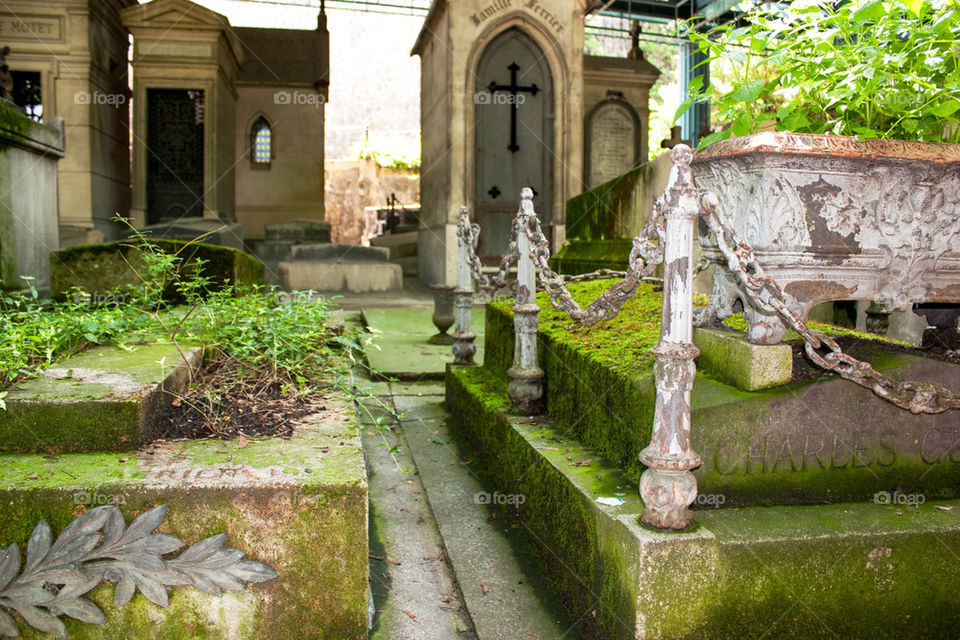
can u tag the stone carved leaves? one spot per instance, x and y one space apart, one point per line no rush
99 546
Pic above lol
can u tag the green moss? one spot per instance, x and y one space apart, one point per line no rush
599 213
101 268
737 323
103 408
585 256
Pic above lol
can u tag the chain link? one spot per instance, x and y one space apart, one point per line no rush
644 258
469 233
765 293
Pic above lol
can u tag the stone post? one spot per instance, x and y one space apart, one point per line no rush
525 375
668 487
463 336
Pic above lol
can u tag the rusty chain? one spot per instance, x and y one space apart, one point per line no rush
916 397
469 233
644 258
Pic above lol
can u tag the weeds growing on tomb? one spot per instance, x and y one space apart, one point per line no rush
263 349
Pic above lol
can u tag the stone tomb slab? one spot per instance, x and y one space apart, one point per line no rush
340 276
805 442
298 505
863 569
104 399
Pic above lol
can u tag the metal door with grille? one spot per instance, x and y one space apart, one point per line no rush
174 153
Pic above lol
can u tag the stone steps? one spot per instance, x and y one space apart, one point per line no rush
403 251
340 276
440 502
103 399
872 568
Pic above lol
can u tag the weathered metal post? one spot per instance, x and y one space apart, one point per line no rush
463 336
668 487
525 388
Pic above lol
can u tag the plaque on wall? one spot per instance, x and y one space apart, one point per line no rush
612 136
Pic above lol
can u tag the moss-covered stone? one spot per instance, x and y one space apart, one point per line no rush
101 268
104 399
585 256
856 570
304 513
734 360
813 441
607 210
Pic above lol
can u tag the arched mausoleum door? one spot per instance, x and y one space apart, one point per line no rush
513 111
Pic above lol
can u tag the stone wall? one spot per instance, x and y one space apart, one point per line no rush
80 50
352 185
291 186
29 153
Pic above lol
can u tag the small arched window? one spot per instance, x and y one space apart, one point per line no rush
261 143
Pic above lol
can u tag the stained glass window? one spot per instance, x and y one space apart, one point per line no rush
262 142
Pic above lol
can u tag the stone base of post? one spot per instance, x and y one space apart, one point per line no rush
526 386
464 347
667 496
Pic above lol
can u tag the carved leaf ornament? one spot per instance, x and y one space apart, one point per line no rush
98 546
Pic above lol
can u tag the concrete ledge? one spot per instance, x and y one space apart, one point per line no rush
354 277
298 505
104 399
855 570
746 366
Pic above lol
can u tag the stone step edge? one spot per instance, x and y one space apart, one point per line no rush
147 397
619 540
275 500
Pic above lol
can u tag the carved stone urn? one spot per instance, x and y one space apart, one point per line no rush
443 299
834 218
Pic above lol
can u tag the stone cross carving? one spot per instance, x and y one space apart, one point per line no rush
635 52
513 89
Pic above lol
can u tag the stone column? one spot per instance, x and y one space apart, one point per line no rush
463 336
525 387
667 487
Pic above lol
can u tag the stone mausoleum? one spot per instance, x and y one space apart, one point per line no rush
225 124
509 100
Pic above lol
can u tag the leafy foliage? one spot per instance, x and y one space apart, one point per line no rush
98 546
286 336
866 68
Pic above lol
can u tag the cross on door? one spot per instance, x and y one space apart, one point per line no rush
513 89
